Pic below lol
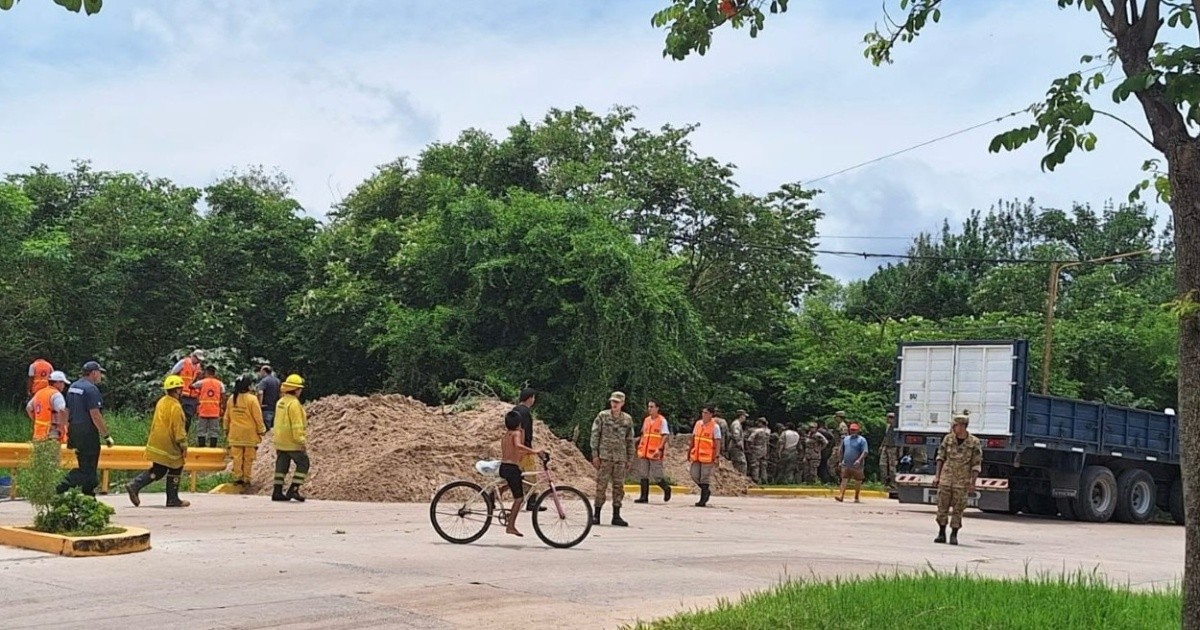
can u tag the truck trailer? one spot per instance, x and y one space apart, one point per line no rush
1043 455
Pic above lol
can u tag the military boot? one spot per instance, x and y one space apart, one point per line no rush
703 502
616 519
136 485
293 493
277 493
596 514
954 537
645 496
941 537
173 499
212 442
666 488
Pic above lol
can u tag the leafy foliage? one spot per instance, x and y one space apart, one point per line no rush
38 480
76 513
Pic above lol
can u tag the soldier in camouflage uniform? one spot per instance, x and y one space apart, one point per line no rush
959 460
839 419
760 441
612 453
775 443
888 455
724 424
826 453
813 444
737 441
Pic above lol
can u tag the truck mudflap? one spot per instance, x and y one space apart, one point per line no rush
989 494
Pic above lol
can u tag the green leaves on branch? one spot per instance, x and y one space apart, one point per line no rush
92 7
691 22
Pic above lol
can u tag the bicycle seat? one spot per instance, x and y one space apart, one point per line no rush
488 467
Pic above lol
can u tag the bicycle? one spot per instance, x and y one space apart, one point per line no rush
469 508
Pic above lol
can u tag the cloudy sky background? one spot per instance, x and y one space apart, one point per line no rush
327 91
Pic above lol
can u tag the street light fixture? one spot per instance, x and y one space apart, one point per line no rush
1056 268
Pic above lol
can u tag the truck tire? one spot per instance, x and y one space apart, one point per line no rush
1040 505
1097 499
1066 507
1135 496
1177 513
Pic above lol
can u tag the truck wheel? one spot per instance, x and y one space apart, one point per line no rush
1135 496
1097 498
1040 505
1177 513
1066 507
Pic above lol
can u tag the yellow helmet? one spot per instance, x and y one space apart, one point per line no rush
293 381
173 381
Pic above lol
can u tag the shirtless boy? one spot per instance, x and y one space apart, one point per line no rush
512 448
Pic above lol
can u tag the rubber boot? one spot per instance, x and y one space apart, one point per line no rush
941 537
616 519
596 514
135 485
645 496
173 499
277 493
666 488
954 537
200 442
293 493
212 442
703 502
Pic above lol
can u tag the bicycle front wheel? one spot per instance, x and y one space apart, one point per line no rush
566 528
461 512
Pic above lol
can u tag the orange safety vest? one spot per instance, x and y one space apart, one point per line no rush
41 375
703 448
650 444
188 373
43 415
210 398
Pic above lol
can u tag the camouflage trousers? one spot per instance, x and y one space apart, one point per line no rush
888 459
610 474
810 471
738 457
952 501
788 461
757 467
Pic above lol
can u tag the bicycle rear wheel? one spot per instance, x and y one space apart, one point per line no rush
461 512
569 528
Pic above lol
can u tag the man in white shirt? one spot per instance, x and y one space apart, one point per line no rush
789 456
48 409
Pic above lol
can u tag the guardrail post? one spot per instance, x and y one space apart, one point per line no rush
192 484
104 481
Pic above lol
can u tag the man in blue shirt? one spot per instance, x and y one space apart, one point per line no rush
87 429
268 394
853 456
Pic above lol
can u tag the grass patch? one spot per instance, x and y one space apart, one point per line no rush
935 600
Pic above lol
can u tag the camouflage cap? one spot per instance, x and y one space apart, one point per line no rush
840 414
617 396
962 418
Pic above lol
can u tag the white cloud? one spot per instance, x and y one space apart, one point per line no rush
326 92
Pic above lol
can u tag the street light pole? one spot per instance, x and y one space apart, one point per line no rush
1052 299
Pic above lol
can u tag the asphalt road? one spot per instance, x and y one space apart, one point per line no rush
244 562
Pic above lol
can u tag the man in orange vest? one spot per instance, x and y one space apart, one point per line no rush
48 409
188 369
39 376
651 449
210 405
706 446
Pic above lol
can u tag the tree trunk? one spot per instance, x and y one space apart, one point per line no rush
1184 169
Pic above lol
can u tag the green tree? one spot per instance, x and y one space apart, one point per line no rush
1159 74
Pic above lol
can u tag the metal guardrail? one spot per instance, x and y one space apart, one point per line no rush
16 455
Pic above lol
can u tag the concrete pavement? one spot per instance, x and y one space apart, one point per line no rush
244 562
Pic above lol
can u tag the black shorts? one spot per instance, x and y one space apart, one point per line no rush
512 474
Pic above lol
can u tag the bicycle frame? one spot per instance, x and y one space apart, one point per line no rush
497 484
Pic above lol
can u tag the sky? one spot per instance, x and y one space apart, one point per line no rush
327 91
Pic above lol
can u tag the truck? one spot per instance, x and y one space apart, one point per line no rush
1043 455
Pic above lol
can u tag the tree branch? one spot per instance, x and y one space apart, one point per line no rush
1106 17
1196 14
1131 127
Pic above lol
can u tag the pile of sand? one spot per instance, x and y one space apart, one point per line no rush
389 448
392 448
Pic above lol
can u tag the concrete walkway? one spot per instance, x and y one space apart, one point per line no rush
244 562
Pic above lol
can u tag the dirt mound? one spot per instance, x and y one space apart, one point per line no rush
388 448
726 481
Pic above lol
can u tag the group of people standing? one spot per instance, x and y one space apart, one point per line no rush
192 395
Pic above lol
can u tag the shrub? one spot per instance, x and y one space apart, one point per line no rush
39 479
76 513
